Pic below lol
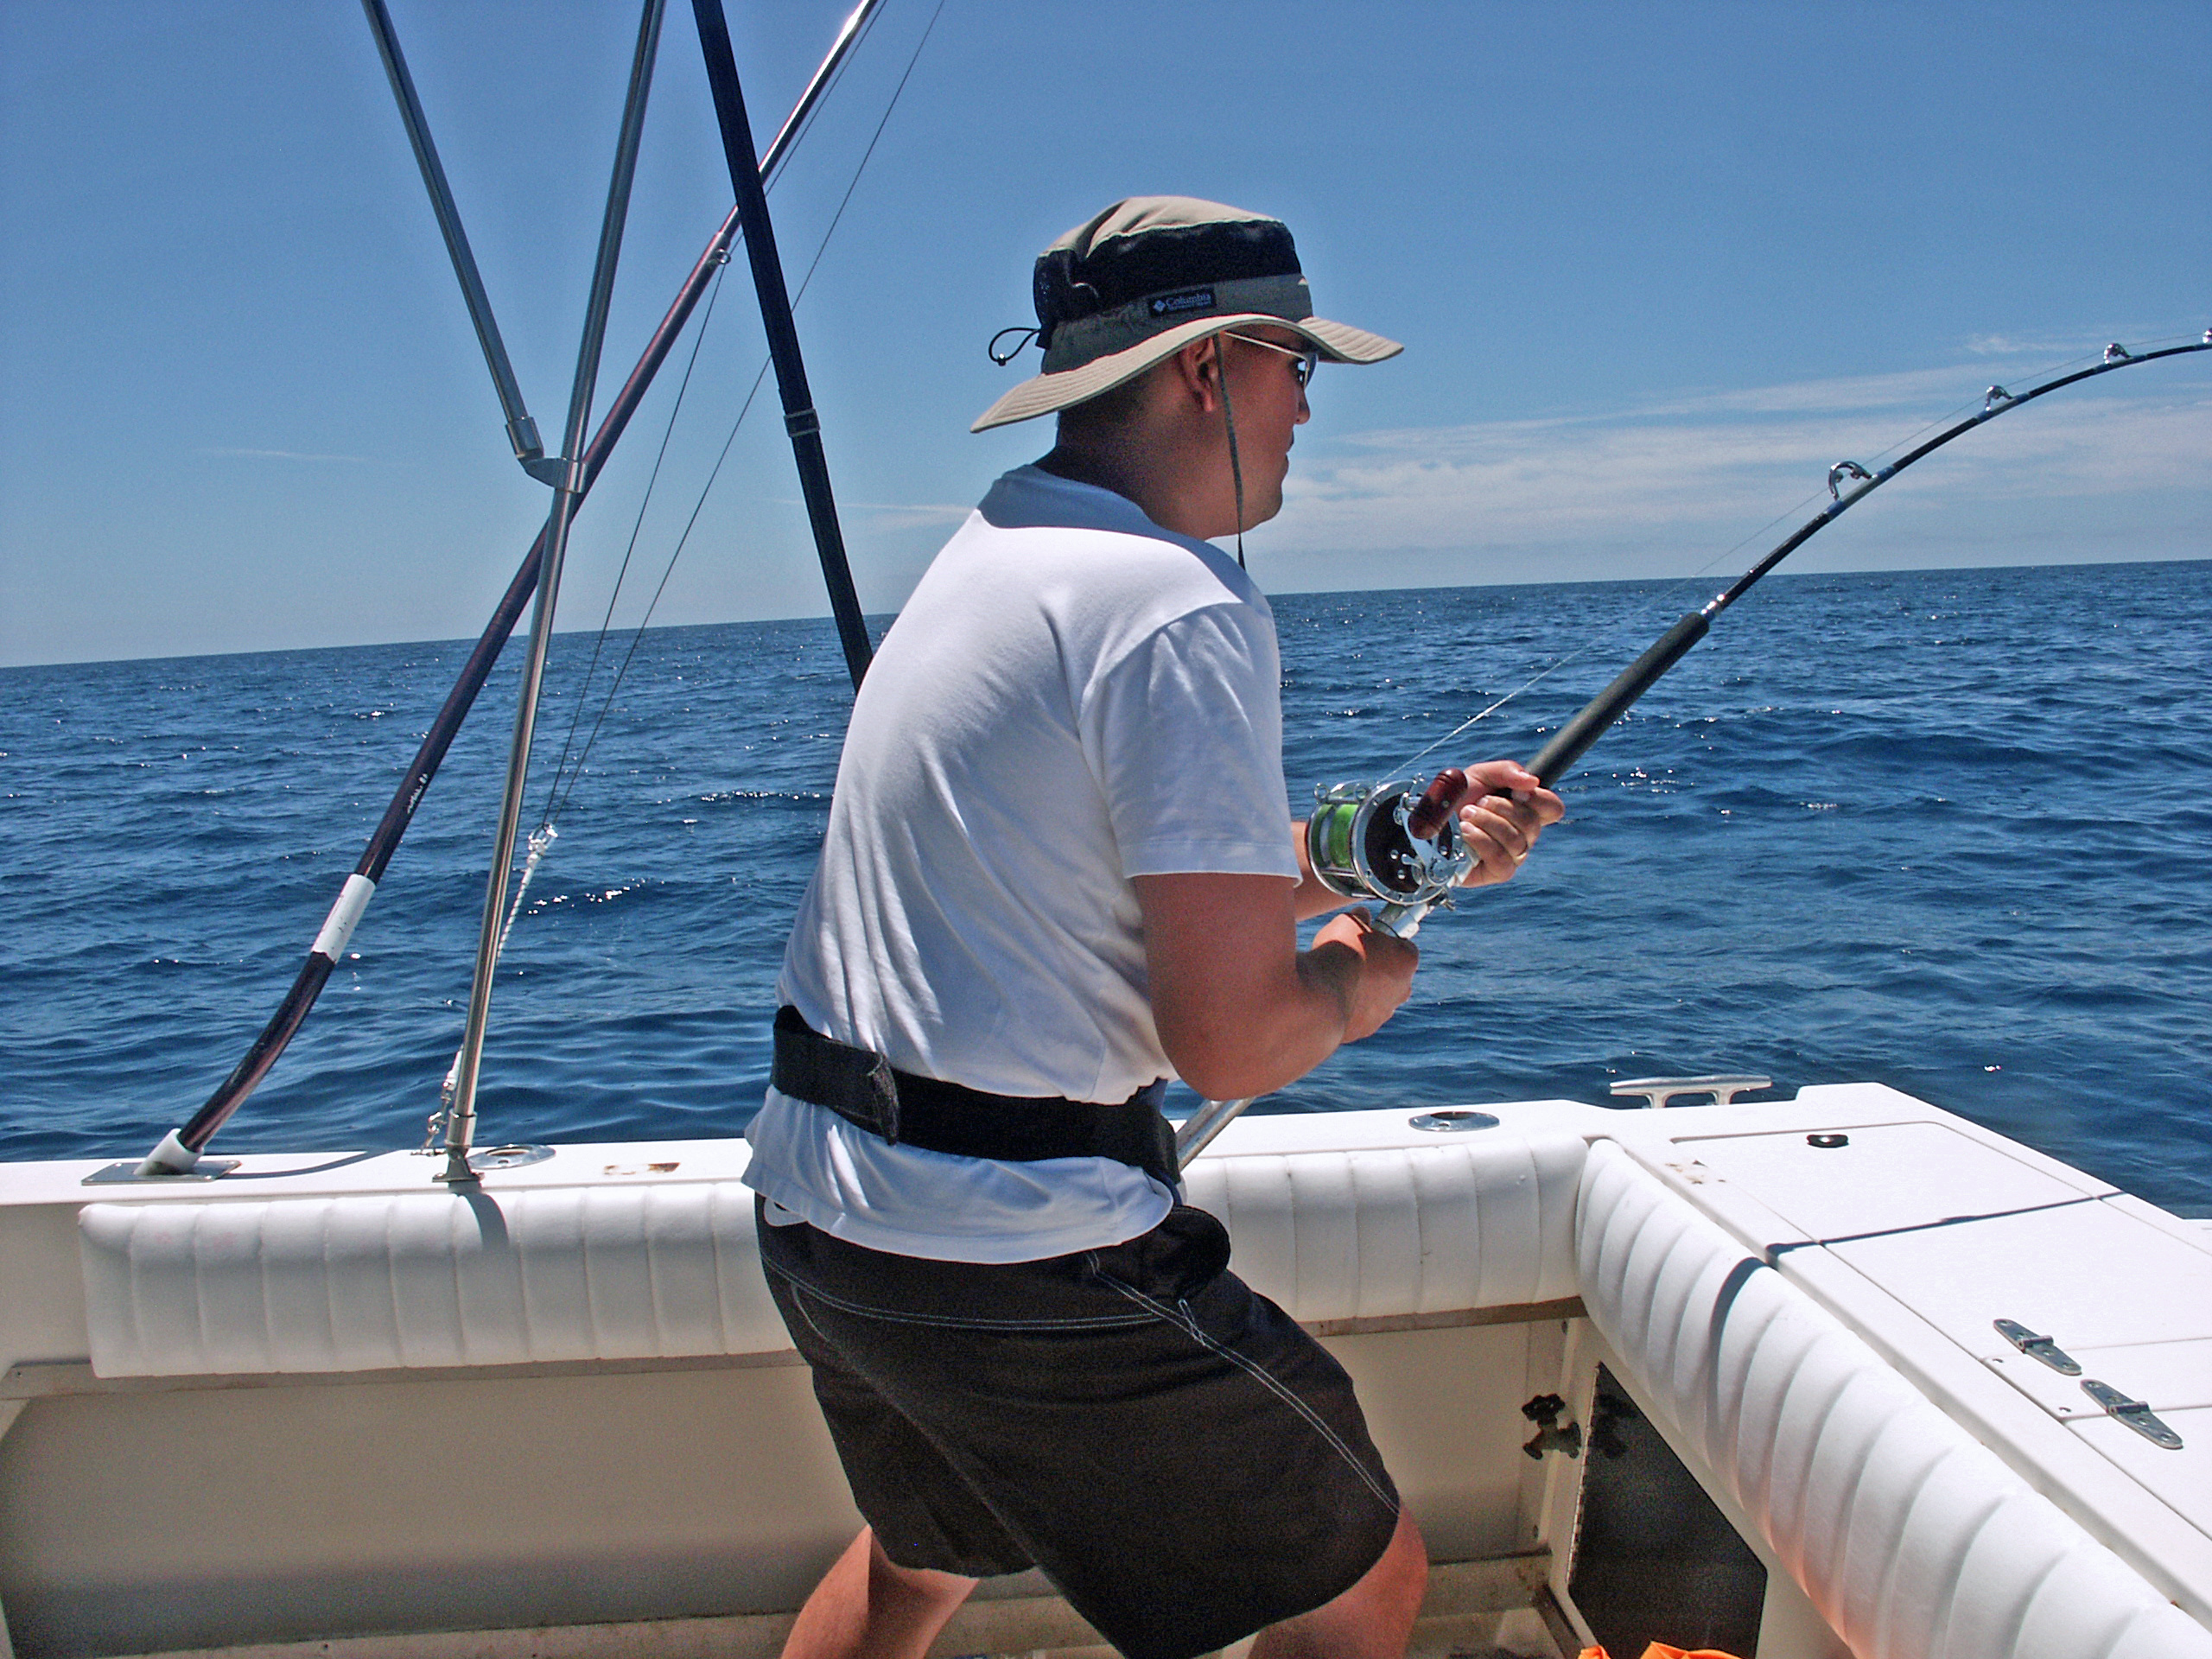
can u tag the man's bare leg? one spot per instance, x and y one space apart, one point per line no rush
1371 1620
869 1607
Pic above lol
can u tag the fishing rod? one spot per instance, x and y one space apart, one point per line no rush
180 1150
800 419
1397 843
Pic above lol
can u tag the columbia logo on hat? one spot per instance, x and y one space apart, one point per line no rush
1191 298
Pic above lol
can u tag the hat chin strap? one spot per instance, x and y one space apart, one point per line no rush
1229 417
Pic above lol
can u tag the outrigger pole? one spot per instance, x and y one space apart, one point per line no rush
1425 818
180 1150
522 431
460 1121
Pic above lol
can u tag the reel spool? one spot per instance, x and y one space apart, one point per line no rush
1390 842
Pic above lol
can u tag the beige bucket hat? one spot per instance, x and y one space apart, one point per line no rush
1123 291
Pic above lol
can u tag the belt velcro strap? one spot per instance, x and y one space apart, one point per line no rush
862 1088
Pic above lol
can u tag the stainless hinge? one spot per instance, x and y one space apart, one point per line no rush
2045 1349
2134 1413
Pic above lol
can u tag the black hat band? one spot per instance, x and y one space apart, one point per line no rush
1078 341
1158 260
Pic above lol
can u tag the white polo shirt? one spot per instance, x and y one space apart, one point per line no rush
1073 696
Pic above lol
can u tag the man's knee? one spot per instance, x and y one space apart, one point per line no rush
1400 1575
1371 1620
918 1586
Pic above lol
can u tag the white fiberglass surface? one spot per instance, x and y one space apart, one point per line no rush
2182 1478
2174 1379
2166 1375
2086 1275
1967 1233
1884 1176
1909 1536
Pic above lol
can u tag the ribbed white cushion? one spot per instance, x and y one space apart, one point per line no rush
1469 1223
378 1282
1913 1540
370 1282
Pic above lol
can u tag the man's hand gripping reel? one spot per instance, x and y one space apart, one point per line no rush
1377 842
1384 843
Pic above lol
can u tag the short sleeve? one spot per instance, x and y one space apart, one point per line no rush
1183 733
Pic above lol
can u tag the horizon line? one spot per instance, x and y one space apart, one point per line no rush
888 617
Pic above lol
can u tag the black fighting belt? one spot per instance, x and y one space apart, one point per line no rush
863 1088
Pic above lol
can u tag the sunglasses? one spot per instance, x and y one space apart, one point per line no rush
1303 362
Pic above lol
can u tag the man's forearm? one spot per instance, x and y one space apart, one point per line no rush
1239 1008
1275 1031
1310 898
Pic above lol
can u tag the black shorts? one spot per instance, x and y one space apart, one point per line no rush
1185 1464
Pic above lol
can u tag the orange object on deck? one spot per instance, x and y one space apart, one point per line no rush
1660 1650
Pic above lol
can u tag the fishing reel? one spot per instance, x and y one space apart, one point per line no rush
1391 843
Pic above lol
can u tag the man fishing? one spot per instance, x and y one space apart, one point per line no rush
1059 867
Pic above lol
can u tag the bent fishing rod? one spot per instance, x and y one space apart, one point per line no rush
180 1150
1397 844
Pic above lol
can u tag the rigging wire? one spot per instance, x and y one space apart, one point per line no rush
567 785
786 144
1661 596
540 840
637 525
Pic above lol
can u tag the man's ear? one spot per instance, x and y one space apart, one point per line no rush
1198 369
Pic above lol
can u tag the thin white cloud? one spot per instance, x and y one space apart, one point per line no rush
2018 345
279 455
1923 389
1705 469
897 515
2053 349
911 515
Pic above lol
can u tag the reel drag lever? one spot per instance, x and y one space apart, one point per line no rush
1438 802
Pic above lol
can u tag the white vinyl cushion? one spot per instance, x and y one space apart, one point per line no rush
1912 1540
1465 1223
372 1281
378 1282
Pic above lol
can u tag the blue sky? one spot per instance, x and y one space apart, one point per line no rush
1655 266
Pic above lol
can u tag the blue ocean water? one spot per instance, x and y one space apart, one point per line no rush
1949 829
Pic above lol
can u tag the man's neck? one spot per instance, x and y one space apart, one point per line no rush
1155 482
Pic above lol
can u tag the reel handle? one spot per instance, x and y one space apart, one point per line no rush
1437 803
